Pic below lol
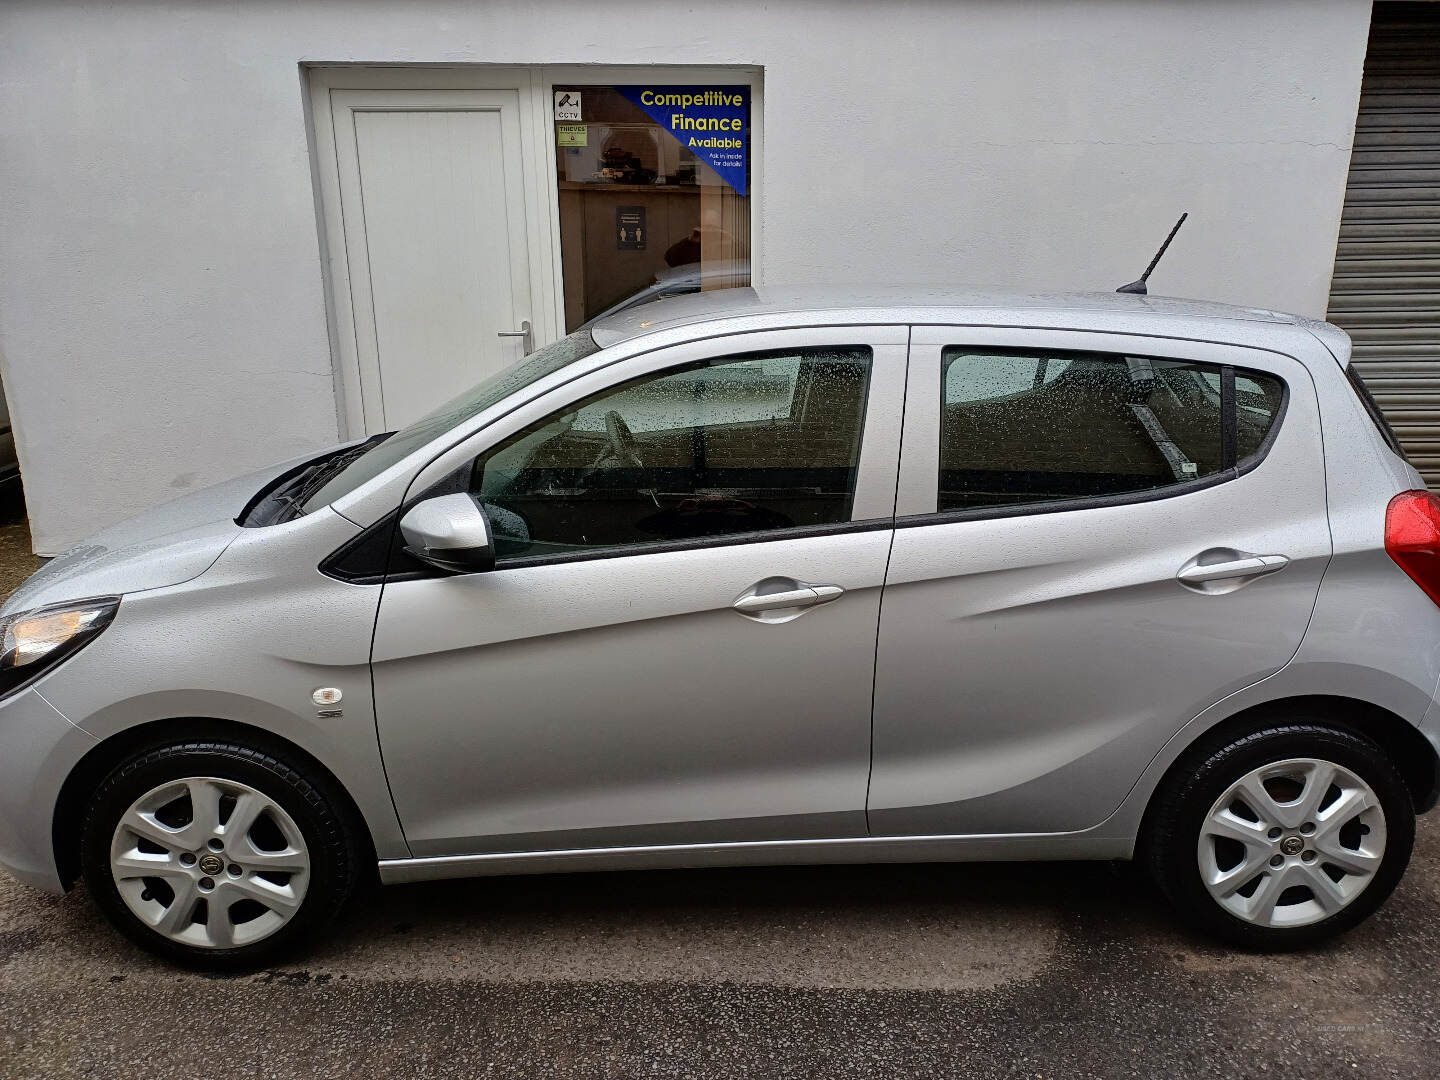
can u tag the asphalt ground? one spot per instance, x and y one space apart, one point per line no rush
986 970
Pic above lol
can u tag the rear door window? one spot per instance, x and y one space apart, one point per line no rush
1031 426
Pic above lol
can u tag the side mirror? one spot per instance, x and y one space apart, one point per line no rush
450 532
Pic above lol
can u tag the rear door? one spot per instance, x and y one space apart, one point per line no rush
1097 537
677 644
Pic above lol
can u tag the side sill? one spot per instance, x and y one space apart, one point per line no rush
1017 847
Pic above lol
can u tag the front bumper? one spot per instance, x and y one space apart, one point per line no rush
38 749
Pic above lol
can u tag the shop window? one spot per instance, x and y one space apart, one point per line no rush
654 193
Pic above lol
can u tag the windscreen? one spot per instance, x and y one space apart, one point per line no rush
474 401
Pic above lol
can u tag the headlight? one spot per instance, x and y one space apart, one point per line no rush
31 642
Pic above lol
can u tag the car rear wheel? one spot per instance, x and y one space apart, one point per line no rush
1282 838
215 854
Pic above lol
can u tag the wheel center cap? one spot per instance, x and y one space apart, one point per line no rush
213 864
1292 845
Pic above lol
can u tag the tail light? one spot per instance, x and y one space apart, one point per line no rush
1412 538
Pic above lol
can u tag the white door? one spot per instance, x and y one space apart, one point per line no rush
436 252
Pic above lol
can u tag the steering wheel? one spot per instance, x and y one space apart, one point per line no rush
620 443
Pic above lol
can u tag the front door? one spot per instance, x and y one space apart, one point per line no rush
677 642
1097 538
435 244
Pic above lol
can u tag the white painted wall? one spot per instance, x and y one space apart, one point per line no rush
162 318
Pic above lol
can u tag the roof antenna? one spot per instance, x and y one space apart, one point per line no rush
1138 287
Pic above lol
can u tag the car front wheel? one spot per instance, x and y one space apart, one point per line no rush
215 854
1284 837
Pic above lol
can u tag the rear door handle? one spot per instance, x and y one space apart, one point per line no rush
1248 567
752 603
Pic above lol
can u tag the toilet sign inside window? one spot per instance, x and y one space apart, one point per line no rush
630 228
567 105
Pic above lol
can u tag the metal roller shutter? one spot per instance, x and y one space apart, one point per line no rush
1386 288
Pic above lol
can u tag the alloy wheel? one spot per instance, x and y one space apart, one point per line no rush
1292 842
210 862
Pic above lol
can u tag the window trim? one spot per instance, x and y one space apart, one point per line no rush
922 415
667 547
348 563
1230 422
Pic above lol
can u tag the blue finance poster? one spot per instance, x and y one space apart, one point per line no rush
712 122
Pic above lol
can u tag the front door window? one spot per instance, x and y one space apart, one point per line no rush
744 444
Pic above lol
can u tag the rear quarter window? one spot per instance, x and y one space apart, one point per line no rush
1372 407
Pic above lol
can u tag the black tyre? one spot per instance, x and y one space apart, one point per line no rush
1281 838
217 855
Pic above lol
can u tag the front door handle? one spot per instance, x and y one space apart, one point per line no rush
524 332
802 596
1251 566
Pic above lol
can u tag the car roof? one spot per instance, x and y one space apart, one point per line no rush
797 306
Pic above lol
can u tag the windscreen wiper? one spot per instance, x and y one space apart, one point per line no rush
273 503
309 483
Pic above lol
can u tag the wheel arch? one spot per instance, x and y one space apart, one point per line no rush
1413 754
101 759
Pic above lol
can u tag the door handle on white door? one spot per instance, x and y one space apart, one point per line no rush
1251 566
752 603
524 332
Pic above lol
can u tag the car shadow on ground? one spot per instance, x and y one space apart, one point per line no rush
936 926
930 926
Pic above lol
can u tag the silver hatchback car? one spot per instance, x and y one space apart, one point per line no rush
765 577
